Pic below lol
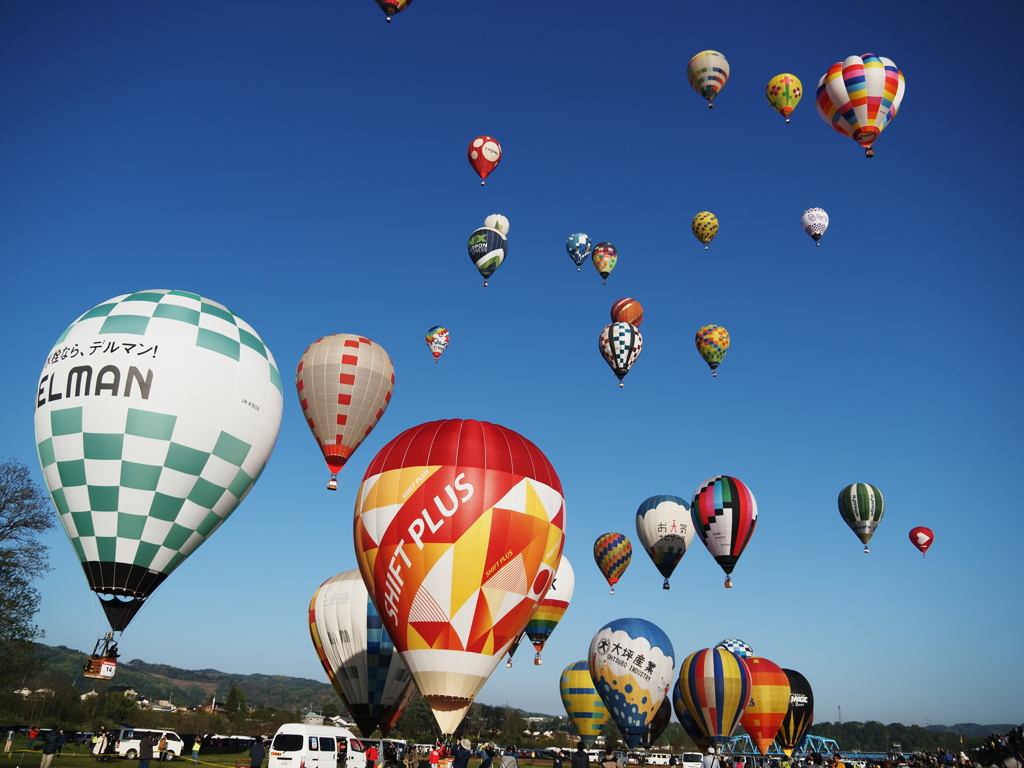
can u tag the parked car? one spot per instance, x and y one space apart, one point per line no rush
127 741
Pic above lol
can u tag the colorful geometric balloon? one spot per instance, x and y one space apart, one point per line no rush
487 249
799 714
357 654
708 72
686 720
459 527
578 246
784 93
620 345
724 513
551 608
632 665
922 538
498 222
705 227
604 257
715 686
391 7
484 155
712 342
628 311
438 339
859 96
344 383
665 528
769 700
737 646
612 553
155 413
815 222
862 507
582 702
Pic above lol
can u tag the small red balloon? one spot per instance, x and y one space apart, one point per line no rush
922 538
484 155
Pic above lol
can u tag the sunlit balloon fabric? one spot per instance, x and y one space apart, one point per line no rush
582 702
922 538
459 527
737 646
632 664
155 413
799 713
357 654
578 247
705 227
784 93
769 700
604 257
391 7
815 222
724 513
715 686
859 96
551 608
498 222
344 383
862 506
484 155
628 311
708 72
487 249
665 528
438 339
612 553
620 345
712 343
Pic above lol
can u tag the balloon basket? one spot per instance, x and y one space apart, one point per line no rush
509 663
389 19
728 582
787 119
485 283
100 668
666 585
866 550
869 152
481 183
332 484
612 591
537 660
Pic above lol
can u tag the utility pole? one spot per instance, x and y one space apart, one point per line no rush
840 715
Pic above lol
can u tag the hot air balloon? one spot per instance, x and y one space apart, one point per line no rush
705 227
484 155
862 507
725 514
437 340
769 700
815 222
578 247
498 222
715 686
459 527
604 257
784 93
515 647
708 72
859 96
344 384
391 7
620 344
922 538
551 608
357 654
582 702
712 342
156 412
487 248
665 529
737 646
628 311
632 663
658 724
686 720
612 553
799 714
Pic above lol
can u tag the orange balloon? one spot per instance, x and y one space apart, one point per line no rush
628 311
769 702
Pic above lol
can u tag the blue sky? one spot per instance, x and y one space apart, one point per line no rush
304 164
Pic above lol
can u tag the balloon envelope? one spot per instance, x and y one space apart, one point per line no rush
437 340
705 227
632 665
686 720
862 506
724 513
484 155
737 646
708 72
487 249
922 538
815 222
459 527
612 553
620 345
784 93
344 383
357 654
552 607
604 257
582 702
665 528
715 686
658 725
799 713
578 246
391 7
859 96
628 311
498 222
156 412
769 700
712 343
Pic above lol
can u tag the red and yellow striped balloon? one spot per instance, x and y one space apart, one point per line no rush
769 701
715 686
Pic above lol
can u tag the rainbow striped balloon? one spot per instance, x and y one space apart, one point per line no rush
859 96
612 553
715 686
551 608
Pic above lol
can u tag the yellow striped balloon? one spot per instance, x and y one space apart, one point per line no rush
715 686
582 702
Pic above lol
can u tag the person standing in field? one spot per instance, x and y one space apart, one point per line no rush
146 749
256 753
196 745
580 758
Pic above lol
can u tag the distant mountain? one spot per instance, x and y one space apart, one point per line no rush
972 730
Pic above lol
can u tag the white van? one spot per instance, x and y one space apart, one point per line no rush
297 745
127 740
692 759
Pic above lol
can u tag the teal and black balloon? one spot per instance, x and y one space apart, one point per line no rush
487 248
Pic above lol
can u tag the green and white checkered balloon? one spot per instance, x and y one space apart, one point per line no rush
156 412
